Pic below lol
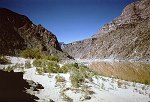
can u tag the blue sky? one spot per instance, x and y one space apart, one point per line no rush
69 20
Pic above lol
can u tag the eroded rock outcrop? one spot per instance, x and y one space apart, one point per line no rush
130 17
17 33
126 37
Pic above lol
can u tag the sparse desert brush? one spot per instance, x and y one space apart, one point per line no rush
66 67
86 73
64 96
8 69
37 54
19 65
103 86
31 53
4 60
47 66
27 64
39 70
86 93
53 67
119 83
76 78
39 62
51 58
86 89
146 82
143 87
78 74
60 78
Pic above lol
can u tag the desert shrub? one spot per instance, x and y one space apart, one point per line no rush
119 83
65 97
52 58
146 82
52 67
86 93
76 78
86 73
60 78
76 65
46 66
86 89
37 54
67 67
78 74
19 65
31 53
39 63
39 70
4 60
27 64
8 69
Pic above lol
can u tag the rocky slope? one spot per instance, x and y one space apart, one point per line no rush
17 33
125 37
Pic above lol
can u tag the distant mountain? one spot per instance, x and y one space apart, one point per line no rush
17 33
125 37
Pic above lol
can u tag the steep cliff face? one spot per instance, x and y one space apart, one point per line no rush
17 33
130 17
126 37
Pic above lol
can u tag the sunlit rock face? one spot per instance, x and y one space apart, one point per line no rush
132 14
17 33
127 36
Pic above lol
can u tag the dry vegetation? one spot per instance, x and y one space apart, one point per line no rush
138 72
4 60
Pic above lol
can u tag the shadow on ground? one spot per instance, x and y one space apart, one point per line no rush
13 86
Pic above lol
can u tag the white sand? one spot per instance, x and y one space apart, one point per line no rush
105 89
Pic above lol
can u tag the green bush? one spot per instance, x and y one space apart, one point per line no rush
37 54
52 58
78 74
67 67
76 78
146 82
46 66
76 65
31 53
52 67
4 60
39 70
28 64
39 63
